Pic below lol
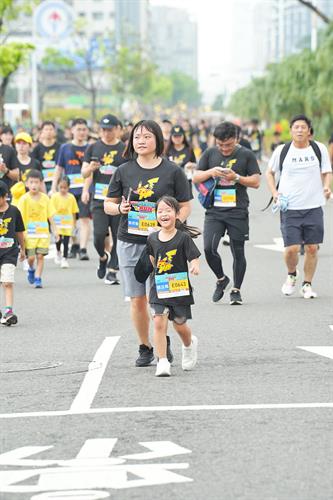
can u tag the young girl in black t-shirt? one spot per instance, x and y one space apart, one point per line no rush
170 295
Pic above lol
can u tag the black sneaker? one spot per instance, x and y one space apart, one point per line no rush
169 352
83 254
146 356
111 278
101 270
221 287
235 298
74 251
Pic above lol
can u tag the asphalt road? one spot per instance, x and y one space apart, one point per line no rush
253 421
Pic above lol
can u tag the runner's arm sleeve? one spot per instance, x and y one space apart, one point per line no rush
274 161
182 187
19 224
115 189
191 250
325 159
204 161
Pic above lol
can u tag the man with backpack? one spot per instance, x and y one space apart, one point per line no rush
231 169
305 175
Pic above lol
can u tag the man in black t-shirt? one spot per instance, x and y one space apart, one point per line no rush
9 168
234 169
101 161
46 151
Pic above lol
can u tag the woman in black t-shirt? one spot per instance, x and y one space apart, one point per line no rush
133 192
180 151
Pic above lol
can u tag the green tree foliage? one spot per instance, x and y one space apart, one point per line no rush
185 89
301 83
12 54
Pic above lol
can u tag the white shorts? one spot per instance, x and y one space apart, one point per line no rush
7 273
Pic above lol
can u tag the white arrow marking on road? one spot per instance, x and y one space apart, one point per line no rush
322 350
93 378
277 247
158 449
16 458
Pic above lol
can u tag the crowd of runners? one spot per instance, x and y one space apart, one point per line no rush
132 186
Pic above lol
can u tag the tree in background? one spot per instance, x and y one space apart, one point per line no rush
300 83
12 54
185 89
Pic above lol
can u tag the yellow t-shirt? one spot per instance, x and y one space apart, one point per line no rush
65 207
36 211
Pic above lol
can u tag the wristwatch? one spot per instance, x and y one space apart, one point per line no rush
237 178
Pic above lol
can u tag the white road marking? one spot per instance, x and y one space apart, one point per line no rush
93 378
145 409
91 468
331 327
322 350
277 247
158 449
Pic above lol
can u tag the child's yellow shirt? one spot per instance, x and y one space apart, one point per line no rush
36 211
65 207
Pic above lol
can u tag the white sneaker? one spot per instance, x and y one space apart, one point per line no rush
163 368
57 258
307 291
288 287
190 355
64 263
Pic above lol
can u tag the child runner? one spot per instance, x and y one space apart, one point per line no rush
37 212
11 234
65 209
171 296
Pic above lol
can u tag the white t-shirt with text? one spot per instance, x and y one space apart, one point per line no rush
301 178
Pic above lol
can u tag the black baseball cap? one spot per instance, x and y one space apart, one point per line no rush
109 121
177 130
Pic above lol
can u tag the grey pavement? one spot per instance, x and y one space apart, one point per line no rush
248 355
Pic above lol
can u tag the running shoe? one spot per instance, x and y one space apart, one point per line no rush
235 298
31 275
111 278
57 258
169 352
146 356
221 287
74 251
307 291
163 368
190 355
288 287
8 319
101 270
38 283
64 263
83 254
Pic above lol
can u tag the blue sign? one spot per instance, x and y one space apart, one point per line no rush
54 19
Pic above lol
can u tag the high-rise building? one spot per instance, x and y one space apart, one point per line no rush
132 23
173 40
295 27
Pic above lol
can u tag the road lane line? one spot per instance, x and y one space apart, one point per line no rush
93 378
138 409
331 327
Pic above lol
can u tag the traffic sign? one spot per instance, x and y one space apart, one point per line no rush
54 19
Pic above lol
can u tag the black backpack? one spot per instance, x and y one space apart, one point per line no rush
283 155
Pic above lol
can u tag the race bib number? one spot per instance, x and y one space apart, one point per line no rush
101 191
6 242
38 230
48 174
172 285
142 218
225 198
63 221
76 181
107 169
